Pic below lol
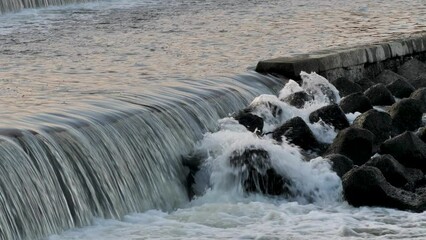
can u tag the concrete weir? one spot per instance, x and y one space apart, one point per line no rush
354 63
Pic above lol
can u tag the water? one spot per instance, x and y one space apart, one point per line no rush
101 100
222 210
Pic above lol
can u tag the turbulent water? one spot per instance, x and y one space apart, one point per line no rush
101 100
222 210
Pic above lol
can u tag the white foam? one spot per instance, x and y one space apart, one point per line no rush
261 219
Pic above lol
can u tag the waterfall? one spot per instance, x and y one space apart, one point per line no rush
16 5
61 170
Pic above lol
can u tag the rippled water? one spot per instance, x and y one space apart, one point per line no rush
60 55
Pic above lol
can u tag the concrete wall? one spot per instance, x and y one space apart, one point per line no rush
353 63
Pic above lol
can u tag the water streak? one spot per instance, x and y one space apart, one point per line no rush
119 157
16 5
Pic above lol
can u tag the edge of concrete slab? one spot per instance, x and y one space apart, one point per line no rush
355 62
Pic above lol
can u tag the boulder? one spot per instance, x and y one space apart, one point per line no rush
331 114
420 94
415 72
364 83
340 163
252 122
421 133
379 95
379 123
394 172
298 99
297 132
406 115
257 172
366 186
345 86
400 88
355 102
354 143
408 149
387 76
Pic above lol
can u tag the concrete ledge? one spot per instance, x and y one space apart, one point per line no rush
354 63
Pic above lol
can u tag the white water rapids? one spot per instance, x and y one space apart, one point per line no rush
223 211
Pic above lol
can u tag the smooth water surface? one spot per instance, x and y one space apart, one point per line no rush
62 55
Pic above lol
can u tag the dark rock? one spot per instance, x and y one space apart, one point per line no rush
354 143
331 114
391 169
364 83
297 132
406 115
400 88
345 86
421 133
252 122
192 165
408 149
379 123
387 76
298 99
415 72
379 95
420 94
340 163
355 102
366 186
257 172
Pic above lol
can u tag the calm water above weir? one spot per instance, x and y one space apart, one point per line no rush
105 97
60 55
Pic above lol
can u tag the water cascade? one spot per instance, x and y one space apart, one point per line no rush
16 5
61 170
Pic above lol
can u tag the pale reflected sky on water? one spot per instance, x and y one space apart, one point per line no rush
57 57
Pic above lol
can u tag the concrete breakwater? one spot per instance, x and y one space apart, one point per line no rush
353 63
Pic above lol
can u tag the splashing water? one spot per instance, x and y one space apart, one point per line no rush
312 181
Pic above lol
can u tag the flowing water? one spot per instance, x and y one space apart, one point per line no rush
100 101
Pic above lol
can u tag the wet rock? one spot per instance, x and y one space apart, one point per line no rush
331 114
400 88
387 76
354 143
421 133
392 170
379 95
252 122
298 99
408 149
340 163
415 72
258 174
297 132
420 94
406 115
366 186
192 165
355 102
345 86
364 83
378 123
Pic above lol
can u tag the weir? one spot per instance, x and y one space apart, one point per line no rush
118 157
16 5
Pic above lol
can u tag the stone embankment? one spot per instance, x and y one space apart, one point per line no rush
354 63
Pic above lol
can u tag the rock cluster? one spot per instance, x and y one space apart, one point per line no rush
380 157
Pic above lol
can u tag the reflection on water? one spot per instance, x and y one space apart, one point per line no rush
56 57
